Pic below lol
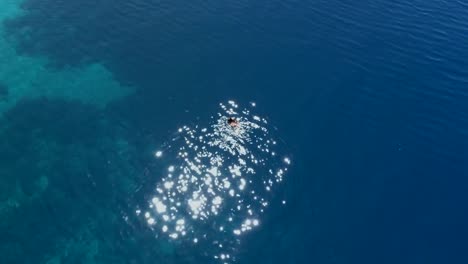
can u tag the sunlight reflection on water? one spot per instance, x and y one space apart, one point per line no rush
220 182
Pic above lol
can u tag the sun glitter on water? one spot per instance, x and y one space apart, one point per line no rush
219 183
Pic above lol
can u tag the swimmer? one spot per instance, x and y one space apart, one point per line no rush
233 122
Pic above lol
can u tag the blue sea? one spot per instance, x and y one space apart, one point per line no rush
368 101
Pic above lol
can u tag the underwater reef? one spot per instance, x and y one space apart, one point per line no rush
32 76
62 163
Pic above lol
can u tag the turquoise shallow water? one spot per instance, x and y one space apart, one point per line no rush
368 100
29 77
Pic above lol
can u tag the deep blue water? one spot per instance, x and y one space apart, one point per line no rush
371 98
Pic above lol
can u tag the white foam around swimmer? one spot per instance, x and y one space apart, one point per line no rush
219 181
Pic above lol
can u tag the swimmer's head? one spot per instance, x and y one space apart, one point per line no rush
233 122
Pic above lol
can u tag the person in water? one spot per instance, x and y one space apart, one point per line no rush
233 122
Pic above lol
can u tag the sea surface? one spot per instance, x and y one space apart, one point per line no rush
368 101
